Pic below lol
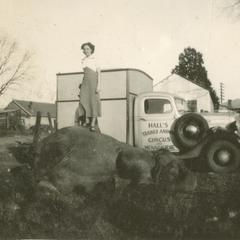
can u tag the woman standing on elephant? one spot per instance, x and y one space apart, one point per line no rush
90 86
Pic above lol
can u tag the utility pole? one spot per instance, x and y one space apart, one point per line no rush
221 92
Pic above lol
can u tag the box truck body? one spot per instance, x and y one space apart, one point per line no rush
119 87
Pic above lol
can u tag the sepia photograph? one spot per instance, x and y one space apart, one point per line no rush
120 119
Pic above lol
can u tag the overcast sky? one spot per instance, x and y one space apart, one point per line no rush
144 34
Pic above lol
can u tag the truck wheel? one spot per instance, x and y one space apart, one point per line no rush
188 130
223 156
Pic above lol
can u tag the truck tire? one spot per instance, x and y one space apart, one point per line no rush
223 156
188 130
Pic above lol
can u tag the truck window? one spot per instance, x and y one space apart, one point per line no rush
192 105
156 106
181 105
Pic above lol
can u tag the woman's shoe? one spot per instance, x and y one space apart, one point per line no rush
92 129
85 124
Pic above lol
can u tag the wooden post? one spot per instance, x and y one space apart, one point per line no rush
7 120
50 121
36 132
55 125
36 137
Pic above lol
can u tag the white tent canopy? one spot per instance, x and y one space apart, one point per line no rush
186 89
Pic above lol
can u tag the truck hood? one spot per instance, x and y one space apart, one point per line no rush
219 119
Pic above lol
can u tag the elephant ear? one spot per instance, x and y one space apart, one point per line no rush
134 164
163 159
187 180
183 172
156 171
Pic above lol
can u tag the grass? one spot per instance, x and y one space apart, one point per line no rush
139 212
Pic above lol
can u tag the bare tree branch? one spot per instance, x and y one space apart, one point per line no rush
6 58
14 65
232 8
235 4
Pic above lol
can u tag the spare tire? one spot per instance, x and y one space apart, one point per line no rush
188 130
223 156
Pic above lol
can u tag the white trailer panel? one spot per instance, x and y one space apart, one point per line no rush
113 121
139 82
118 90
66 113
67 86
113 84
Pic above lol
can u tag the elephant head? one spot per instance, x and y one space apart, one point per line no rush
161 168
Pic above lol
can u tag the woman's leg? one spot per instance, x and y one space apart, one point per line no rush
86 121
93 122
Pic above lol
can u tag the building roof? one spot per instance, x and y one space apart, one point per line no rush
31 108
175 76
235 103
231 105
8 110
181 86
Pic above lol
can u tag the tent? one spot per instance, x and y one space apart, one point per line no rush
198 98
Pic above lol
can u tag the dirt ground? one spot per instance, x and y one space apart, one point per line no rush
8 141
140 213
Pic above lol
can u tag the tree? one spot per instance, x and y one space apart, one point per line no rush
191 67
232 7
14 64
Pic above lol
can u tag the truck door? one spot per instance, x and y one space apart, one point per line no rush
153 119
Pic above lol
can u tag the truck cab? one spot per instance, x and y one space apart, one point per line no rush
154 114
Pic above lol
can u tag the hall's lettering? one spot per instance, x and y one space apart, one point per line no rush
158 125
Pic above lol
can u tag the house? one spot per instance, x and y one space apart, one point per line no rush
232 104
10 119
198 98
29 111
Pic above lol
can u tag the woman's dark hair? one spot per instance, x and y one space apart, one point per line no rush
92 47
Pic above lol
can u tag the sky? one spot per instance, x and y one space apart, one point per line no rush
144 34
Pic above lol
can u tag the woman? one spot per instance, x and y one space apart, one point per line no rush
90 86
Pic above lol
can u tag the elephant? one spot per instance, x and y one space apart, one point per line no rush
75 158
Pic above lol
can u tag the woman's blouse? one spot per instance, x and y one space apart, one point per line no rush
90 62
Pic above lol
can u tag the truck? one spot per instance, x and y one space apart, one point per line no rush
133 113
